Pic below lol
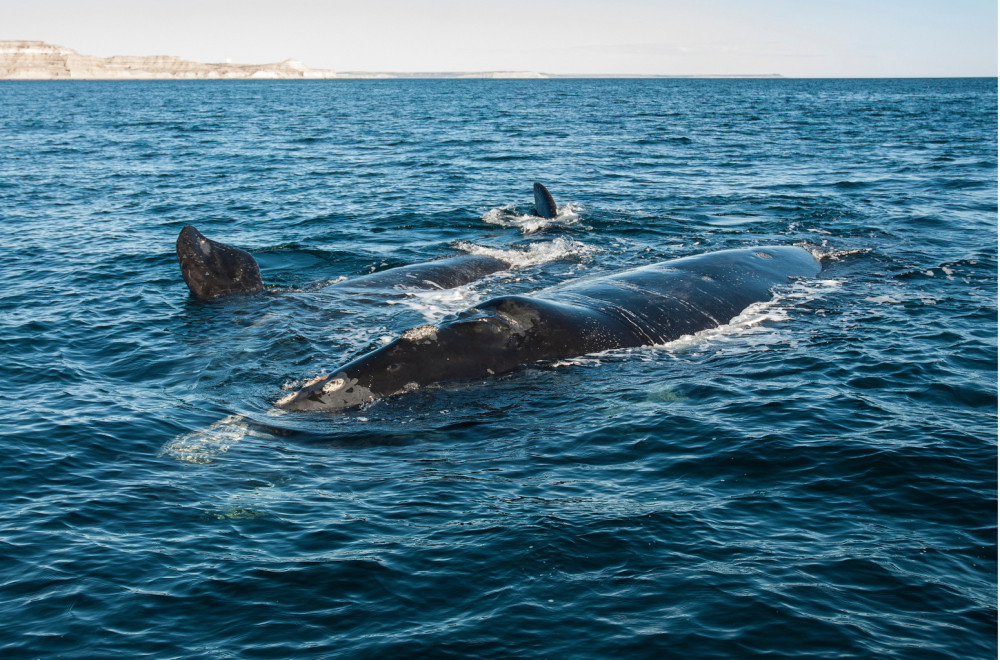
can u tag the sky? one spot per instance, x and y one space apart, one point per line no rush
794 38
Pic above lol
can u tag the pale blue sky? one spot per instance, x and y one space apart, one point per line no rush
796 38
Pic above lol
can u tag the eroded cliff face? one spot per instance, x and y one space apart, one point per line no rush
37 60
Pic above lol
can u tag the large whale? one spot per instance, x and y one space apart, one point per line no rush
213 270
651 305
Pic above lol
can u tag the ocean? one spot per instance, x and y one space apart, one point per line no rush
815 479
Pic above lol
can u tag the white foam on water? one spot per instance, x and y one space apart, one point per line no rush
884 300
508 216
756 323
590 360
534 254
823 252
435 304
753 323
204 445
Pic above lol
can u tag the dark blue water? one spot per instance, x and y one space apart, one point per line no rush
817 479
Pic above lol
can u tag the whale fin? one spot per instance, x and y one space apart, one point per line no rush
213 269
545 206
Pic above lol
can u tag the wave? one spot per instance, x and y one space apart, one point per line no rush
435 304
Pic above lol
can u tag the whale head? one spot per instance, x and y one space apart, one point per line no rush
213 269
478 344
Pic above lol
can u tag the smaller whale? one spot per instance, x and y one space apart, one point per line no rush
445 273
545 206
213 270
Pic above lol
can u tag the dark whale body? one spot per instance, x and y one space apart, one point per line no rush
213 270
650 305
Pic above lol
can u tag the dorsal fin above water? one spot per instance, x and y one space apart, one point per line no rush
545 206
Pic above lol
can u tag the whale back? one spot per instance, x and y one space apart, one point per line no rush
645 306
446 273
665 301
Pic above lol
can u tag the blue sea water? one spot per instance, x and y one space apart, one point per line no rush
817 479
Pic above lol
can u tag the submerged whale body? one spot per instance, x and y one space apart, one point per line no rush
445 273
213 270
650 305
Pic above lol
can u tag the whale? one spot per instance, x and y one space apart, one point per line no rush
213 270
545 206
649 305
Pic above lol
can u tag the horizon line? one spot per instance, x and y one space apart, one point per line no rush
483 75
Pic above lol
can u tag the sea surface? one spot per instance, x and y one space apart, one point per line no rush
816 479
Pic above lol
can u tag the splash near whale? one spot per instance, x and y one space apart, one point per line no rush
646 306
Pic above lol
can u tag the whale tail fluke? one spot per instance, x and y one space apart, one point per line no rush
545 206
213 269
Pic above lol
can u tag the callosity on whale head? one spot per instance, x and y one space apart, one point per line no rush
213 269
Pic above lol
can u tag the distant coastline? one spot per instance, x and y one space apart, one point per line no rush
37 60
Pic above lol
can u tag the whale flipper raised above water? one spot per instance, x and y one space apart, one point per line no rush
545 206
213 269
650 305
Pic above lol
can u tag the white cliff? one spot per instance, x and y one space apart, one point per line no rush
37 60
